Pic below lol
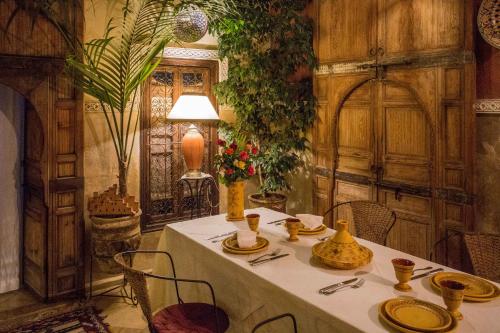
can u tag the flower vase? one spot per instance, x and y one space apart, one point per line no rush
236 201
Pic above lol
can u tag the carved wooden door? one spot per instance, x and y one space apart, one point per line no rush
162 164
35 212
348 30
384 154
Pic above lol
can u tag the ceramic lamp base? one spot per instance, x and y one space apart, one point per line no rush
193 145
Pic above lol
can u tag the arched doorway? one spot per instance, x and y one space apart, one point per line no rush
11 178
384 153
23 213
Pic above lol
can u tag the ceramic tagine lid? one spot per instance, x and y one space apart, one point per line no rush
342 251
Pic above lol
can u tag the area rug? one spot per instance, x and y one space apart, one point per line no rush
85 319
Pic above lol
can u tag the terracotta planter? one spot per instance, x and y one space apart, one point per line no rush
236 201
111 236
274 201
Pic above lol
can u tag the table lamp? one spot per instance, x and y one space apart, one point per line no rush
190 108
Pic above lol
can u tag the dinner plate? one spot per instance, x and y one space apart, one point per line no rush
477 289
417 315
230 245
319 230
385 319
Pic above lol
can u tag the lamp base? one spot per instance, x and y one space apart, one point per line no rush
193 145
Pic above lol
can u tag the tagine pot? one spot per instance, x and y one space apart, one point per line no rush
341 250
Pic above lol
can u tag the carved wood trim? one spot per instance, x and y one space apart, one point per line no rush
487 106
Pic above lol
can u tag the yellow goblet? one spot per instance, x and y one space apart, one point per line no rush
404 271
253 222
453 295
293 226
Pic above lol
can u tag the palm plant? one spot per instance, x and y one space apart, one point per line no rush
113 67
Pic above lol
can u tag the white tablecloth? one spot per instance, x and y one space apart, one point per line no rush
290 284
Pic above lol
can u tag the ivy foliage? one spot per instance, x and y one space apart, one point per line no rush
266 42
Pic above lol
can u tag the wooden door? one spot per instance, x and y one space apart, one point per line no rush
162 164
384 154
410 27
404 167
35 211
348 30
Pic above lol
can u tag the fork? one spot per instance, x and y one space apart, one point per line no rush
272 254
357 285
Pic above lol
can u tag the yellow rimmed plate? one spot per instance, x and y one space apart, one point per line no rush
230 245
319 230
477 290
385 319
417 315
316 231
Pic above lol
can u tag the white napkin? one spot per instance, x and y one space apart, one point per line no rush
310 221
246 238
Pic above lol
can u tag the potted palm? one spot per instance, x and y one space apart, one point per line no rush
268 45
111 69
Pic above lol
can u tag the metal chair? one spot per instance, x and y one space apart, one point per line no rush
372 220
267 321
180 317
482 251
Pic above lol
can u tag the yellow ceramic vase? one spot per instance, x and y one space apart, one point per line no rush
236 201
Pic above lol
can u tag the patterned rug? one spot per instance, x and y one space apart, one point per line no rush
85 319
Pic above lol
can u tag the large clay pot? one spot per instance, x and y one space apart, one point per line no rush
236 201
274 201
111 236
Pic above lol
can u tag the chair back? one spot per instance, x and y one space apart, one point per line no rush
267 321
372 221
137 280
484 253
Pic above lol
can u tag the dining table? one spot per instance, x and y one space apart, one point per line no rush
290 284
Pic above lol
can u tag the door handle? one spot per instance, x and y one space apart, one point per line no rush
397 194
373 51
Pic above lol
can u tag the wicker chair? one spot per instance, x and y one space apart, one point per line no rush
180 317
484 253
372 221
267 321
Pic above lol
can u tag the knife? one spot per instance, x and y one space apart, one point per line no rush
337 285
255 263
276 221
427 274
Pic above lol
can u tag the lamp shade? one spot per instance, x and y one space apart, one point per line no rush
193 108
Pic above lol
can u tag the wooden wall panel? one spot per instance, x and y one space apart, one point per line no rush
32 64
419 102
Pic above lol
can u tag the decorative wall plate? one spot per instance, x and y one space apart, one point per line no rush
488 22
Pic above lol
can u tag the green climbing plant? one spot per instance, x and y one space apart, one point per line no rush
267 42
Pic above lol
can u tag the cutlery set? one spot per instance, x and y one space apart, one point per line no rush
218 238
328 290
272 256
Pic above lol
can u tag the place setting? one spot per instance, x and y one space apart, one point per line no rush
248 242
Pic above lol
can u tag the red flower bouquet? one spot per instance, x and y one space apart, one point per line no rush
234 162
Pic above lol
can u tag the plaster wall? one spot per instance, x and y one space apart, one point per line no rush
11 152
100 162
487 137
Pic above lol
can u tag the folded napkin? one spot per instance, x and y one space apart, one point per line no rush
310 221
246 238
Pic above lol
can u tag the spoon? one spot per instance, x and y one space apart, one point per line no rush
422 269
272 254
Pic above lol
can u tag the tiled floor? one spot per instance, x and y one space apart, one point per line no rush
22 305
